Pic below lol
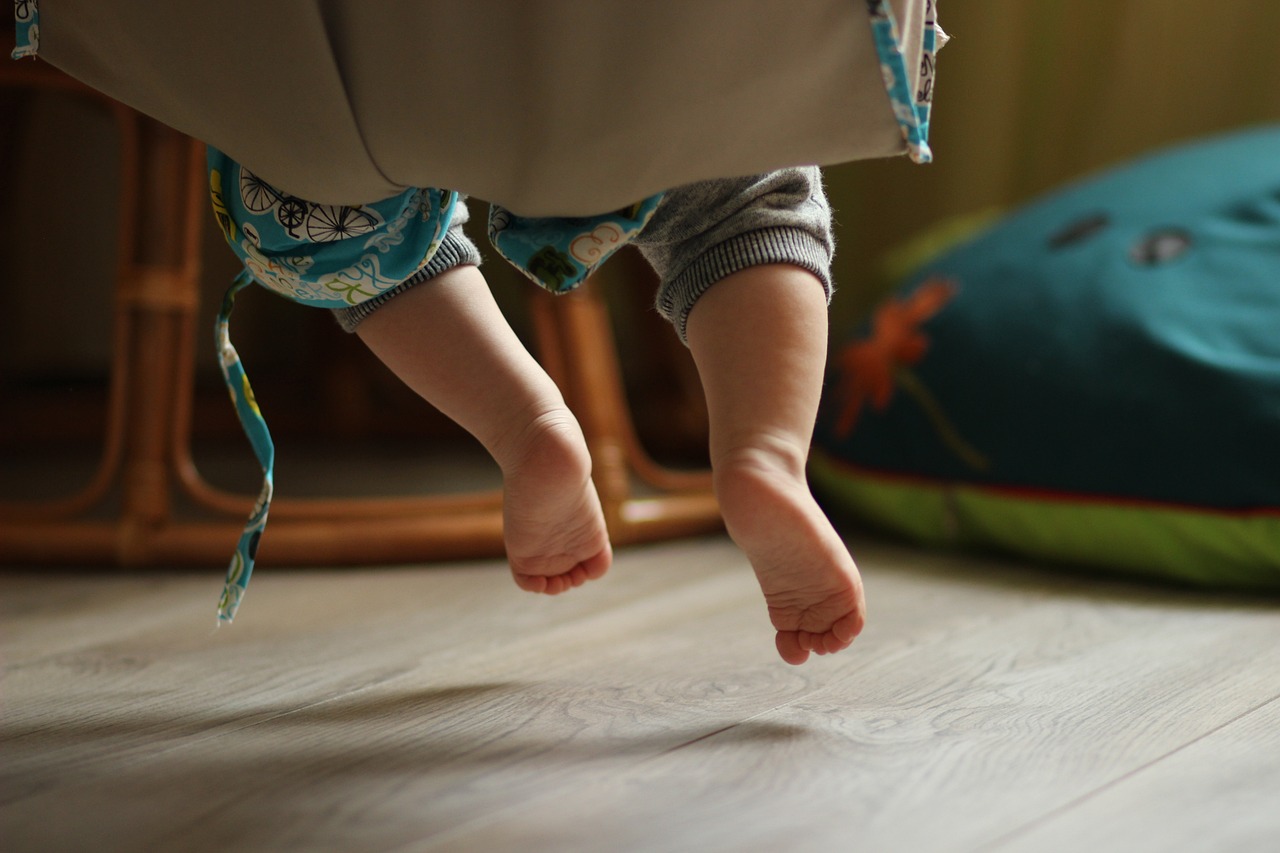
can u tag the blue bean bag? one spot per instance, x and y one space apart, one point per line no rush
1094 380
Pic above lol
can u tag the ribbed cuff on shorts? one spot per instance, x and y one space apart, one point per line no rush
455 250
781 245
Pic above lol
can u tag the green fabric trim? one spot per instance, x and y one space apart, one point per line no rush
1206 548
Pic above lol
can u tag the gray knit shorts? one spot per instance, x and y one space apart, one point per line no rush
699 234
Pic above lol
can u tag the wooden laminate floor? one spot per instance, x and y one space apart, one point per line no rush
988 707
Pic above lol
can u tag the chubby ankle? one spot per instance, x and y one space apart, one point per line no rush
543 441
771 457
760 487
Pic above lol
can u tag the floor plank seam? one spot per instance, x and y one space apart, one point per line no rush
719 731
1050 815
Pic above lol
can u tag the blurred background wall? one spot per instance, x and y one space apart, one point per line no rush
1029 95
1033 94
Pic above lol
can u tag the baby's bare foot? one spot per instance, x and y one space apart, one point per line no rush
810 582
552 521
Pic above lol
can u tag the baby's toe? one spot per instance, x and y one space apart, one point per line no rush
790 648
531 583
848 627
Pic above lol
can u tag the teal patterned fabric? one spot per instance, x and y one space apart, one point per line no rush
324 255
911 109
560 253
26 15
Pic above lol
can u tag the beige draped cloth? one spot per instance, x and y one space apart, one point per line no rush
548 107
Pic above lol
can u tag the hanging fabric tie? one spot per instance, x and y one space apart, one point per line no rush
255 428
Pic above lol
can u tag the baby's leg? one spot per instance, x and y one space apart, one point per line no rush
759 339
447 340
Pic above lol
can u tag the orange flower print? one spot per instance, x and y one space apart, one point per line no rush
868 365
874 367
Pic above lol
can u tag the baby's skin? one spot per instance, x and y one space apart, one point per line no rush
758 338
